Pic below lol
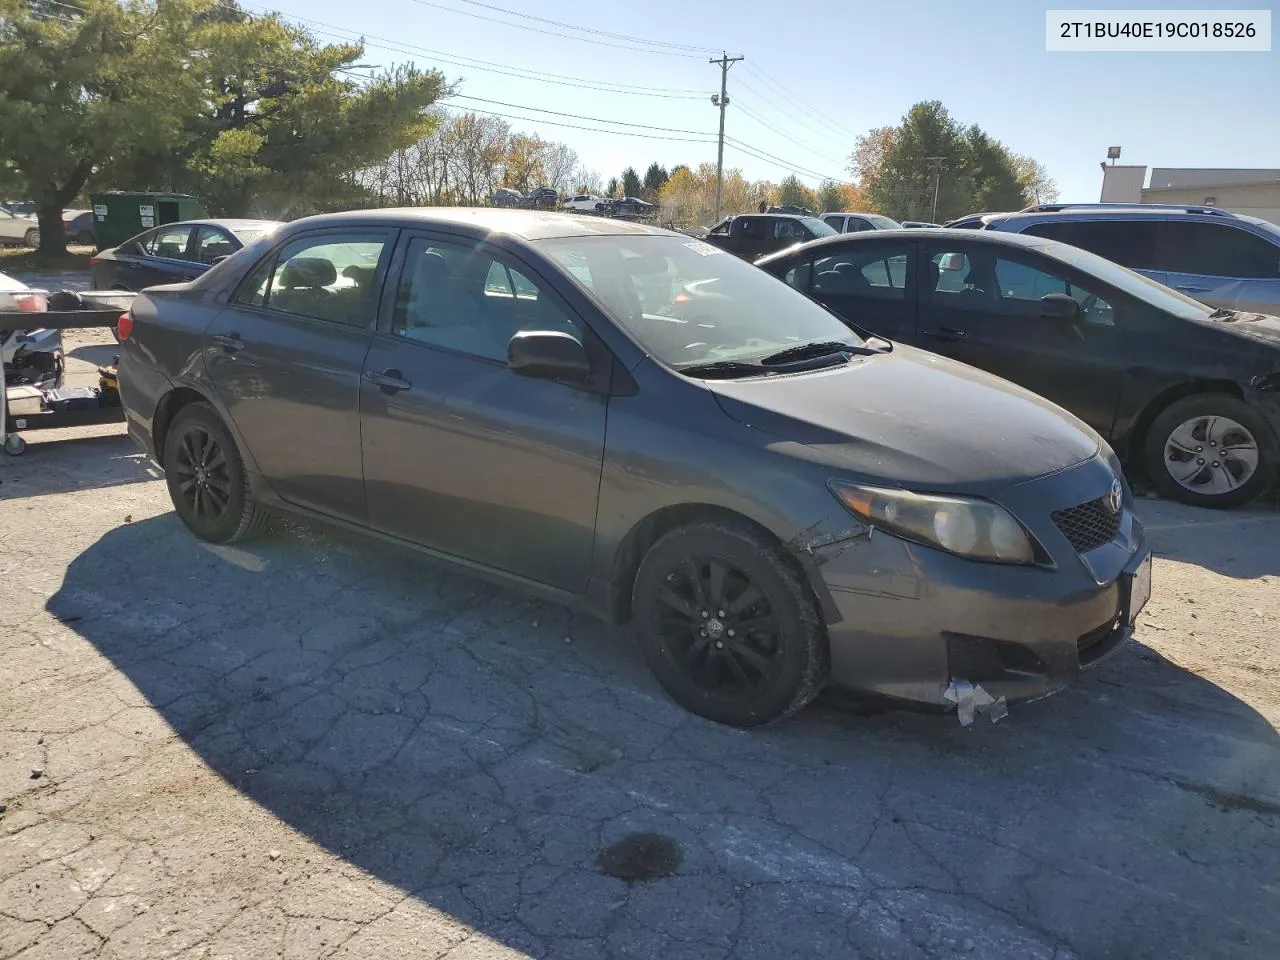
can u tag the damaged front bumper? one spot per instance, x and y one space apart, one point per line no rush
915 623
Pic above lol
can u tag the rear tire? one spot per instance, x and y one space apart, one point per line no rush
32 238
1210 450
206 478
728 625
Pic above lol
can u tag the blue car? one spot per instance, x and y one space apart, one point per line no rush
174 252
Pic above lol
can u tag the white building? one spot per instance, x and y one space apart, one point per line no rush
1254 192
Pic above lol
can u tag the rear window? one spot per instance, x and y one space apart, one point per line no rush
1216 250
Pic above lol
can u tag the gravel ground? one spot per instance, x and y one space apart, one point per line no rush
315 746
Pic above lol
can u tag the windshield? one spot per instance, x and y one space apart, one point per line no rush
253 233
884 223
1134 284
819 228
687 302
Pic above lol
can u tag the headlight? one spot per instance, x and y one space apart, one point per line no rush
977 529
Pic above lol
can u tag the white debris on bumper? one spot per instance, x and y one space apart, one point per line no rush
970 700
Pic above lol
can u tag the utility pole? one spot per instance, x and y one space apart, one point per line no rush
722 100
936 164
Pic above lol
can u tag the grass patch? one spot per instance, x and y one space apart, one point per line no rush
22 260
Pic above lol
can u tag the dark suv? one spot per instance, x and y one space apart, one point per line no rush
752 235
1220 258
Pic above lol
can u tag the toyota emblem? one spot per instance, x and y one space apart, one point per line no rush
1115 497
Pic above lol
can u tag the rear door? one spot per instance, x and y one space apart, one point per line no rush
1130 243
865 283
1221 264
286 356
981 304
210 244
461 454
748 236
165 258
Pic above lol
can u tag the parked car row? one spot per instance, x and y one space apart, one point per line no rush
635 422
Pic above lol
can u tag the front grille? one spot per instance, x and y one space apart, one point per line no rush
1087 525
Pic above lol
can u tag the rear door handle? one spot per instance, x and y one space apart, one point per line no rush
230 341
388 381
1191 289
948 334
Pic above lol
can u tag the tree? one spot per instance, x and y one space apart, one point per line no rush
934 167
614 190
830 197
83 85
1037 185
631 186
791 192
524 162
654 178
869 153
589 181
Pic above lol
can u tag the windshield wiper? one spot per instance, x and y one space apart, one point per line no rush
723 369
1222 313
818 348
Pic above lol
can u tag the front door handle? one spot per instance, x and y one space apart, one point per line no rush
230 342
948 334
1192 289
388 381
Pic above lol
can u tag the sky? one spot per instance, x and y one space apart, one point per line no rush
816 75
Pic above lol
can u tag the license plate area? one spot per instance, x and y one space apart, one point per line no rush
1139 589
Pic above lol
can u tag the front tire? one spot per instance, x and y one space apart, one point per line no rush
206 478
32 238
1210 450
728 625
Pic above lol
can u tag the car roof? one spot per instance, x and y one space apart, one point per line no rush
480 222
232 224
916 233
1131 211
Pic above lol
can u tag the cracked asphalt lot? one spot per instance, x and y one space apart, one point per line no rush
318 746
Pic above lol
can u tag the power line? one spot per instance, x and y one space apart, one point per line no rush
574 126
790 112
553 33
576 116
779 162
489 66
599 33
799 101
778 133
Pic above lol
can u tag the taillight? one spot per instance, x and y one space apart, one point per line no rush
124 327
29 303
92 261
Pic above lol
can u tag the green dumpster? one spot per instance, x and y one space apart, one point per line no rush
119 215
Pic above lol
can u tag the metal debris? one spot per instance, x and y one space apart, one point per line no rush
970 700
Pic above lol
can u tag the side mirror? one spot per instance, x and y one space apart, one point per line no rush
1058 306
548 354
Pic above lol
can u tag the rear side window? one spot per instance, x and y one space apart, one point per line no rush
871 272
331 277
1130 243
835 223
1216 250
753 227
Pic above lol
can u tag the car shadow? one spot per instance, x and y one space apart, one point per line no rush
485 752
1234 543
98 354
54 462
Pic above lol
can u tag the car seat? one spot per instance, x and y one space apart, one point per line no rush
301 287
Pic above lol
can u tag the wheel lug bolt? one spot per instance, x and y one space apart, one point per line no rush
1198 449
1200 460
705 614
731 633
720 614
702 633
719 644
1215 463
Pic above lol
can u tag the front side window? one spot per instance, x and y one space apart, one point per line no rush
687 302
1017 282
788 230
329 277
168 242
466 299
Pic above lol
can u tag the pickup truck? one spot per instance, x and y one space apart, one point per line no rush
752 235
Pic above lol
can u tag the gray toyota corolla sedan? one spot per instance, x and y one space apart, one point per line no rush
635 422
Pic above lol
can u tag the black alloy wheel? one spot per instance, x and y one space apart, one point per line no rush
206 477
729 625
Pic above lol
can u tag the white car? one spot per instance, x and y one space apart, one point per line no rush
17 297
18 229
583 201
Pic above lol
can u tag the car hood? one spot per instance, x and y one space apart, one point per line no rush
1259 327
913 418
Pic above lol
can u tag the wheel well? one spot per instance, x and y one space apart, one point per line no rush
170 404
651 529
1138 432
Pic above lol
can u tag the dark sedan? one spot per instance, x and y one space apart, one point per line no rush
1188 394
173 253
633 422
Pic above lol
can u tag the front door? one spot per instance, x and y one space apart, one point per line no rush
460 454
981 304
286 356
1221 264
